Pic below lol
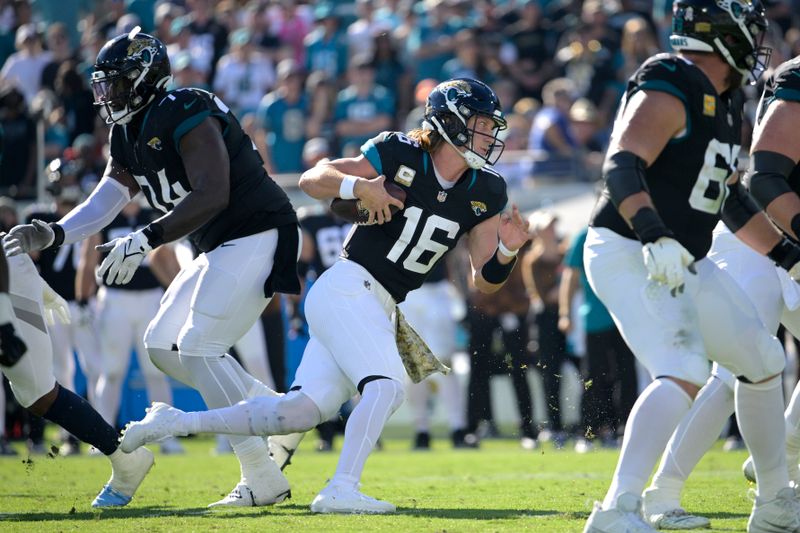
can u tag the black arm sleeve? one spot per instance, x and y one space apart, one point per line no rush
624 175
739 207
767 176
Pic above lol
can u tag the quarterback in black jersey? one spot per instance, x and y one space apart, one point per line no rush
187 153
669 177
350 309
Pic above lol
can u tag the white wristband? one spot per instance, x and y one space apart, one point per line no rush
347 188
505 251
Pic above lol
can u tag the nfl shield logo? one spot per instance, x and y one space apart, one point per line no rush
442 196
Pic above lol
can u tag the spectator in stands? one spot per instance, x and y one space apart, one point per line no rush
390 72
208 37
24 67
590 138
76 99
283 115
165 14
430 41
326 50
244 74
321 92
534 46
57 39
608 368
551 139
468 62
363 109
17 166
184 72
361 31
541 271
293 30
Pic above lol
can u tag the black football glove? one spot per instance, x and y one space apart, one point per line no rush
11 347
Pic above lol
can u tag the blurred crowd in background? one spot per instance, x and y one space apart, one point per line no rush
310 80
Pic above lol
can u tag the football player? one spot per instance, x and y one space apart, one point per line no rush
673 152
124 312
773 179
25 301
451 191
186 152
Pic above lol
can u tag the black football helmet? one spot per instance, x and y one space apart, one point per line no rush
734 29
450 106
130 71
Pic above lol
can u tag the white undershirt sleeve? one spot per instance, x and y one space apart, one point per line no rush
96 212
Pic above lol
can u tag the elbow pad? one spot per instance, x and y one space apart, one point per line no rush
624 174
739 207
767 176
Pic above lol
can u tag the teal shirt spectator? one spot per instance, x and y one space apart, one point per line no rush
594 314
284 123
326 54
350 106
145 10
67 11
421 36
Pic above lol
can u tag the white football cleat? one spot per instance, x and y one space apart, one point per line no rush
626 517
779 515
282 448
127 473
669 515
160 423
263 485
341 500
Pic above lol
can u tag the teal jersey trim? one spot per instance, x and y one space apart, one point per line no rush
425 162
792 95
186 126
370 151
474 177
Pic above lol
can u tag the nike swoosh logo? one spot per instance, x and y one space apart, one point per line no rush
669 66
190 104
223 245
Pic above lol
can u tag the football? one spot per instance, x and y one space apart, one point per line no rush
353 211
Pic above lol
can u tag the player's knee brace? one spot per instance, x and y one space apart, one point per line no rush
769 359
385 391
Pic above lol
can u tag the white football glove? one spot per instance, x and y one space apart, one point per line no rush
25 238
55 307
125 256
666 260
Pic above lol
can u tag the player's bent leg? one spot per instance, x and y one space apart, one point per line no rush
380 397
694 436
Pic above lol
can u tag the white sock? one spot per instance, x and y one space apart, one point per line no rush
379 399
263 415
418 397
792 418
220 385
758 408
654 416
694 436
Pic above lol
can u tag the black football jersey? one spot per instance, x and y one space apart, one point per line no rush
328 233
121 226
149 147
401 253
784 84
58 266
687 180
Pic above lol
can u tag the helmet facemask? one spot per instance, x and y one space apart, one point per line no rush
454 128
123 86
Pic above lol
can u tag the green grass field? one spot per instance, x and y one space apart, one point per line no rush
498 488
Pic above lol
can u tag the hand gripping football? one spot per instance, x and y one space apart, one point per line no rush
353 211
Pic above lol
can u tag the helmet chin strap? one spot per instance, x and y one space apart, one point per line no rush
474 161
